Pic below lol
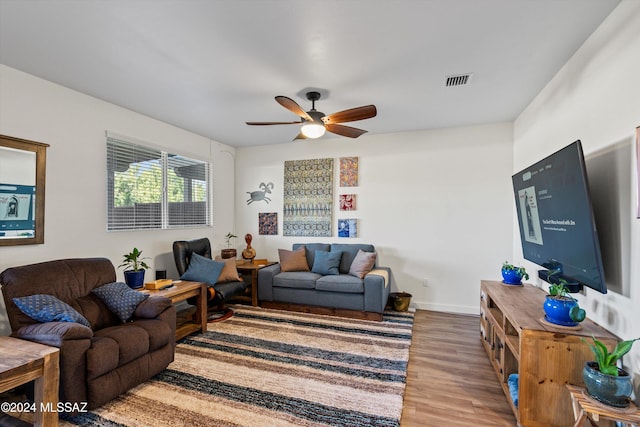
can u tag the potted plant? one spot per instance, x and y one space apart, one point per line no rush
513 275
561 308
229 252
605 381
134 268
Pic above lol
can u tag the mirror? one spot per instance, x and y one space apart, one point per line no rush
22 182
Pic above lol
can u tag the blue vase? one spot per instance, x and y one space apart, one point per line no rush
135 279
511 277
610 390
557 310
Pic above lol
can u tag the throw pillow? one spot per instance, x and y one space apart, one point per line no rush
202 269
47 308
362 263
120 298
326 263
293 260
229 271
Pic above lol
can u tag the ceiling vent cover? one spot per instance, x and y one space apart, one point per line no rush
458 80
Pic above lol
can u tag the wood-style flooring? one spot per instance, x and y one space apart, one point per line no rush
450 381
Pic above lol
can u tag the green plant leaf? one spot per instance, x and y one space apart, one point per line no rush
609 370
623 348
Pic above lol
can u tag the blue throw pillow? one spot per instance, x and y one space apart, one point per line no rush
47 308
326 263
203 269
120 298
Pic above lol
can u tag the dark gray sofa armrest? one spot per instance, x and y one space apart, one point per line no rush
53 333
265 281
375 291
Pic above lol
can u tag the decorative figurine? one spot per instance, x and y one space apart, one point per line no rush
249 253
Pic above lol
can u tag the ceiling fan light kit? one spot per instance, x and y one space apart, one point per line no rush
315 123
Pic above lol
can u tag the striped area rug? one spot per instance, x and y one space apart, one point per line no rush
274 368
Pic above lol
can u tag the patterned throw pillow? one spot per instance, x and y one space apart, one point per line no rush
293 260
326 263
362 263
120 298
47 308
203 269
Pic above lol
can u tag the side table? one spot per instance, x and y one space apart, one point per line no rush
23 361
181 291
251 270
587 408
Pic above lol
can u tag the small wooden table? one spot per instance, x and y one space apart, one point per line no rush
23 361
181 291
251 270
586 408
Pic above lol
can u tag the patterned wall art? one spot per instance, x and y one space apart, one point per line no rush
347 227
308 197
347 202
268 223
348 171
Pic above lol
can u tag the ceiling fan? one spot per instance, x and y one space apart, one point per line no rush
315 123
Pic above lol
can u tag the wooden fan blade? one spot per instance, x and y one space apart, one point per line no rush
347 131
351 115
293 106
272 123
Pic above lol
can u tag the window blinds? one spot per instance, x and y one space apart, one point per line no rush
152 189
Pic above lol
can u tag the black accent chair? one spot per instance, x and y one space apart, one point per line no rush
224 291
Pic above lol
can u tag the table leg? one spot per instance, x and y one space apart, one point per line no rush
46 392
254 288
201 308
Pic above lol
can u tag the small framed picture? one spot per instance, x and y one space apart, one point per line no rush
347 202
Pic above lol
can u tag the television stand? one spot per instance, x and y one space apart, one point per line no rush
546 358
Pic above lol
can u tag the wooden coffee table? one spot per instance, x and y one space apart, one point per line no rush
181 291
251 270
23 361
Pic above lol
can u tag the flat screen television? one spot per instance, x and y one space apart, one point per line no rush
555 217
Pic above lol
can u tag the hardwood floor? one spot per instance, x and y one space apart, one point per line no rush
450 381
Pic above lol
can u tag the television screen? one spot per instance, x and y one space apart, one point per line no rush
557 227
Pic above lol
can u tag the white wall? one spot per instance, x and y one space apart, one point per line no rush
75 217
436 204
595 98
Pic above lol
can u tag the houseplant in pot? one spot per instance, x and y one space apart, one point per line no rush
229 252
512 275
606 382
561 308
134 268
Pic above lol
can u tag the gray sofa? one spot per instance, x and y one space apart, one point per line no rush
342 294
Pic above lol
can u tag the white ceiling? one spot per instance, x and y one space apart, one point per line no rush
210 65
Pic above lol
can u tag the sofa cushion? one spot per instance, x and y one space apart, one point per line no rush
326 263
293 260
349 252
132 341
296 279
343 283
47 308
312 248
202 269
158 331
362 264
120 298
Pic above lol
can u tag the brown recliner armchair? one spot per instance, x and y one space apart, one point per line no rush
222 291
99 362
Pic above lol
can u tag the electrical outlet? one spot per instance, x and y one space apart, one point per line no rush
425 282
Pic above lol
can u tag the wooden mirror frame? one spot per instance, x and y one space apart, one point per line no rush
40 149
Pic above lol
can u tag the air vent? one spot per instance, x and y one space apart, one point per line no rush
458 80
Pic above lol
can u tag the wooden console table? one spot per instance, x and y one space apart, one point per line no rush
23 361
545 357
181 291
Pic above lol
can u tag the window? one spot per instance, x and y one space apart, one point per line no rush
152 189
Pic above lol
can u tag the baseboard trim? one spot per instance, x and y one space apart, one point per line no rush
447 308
